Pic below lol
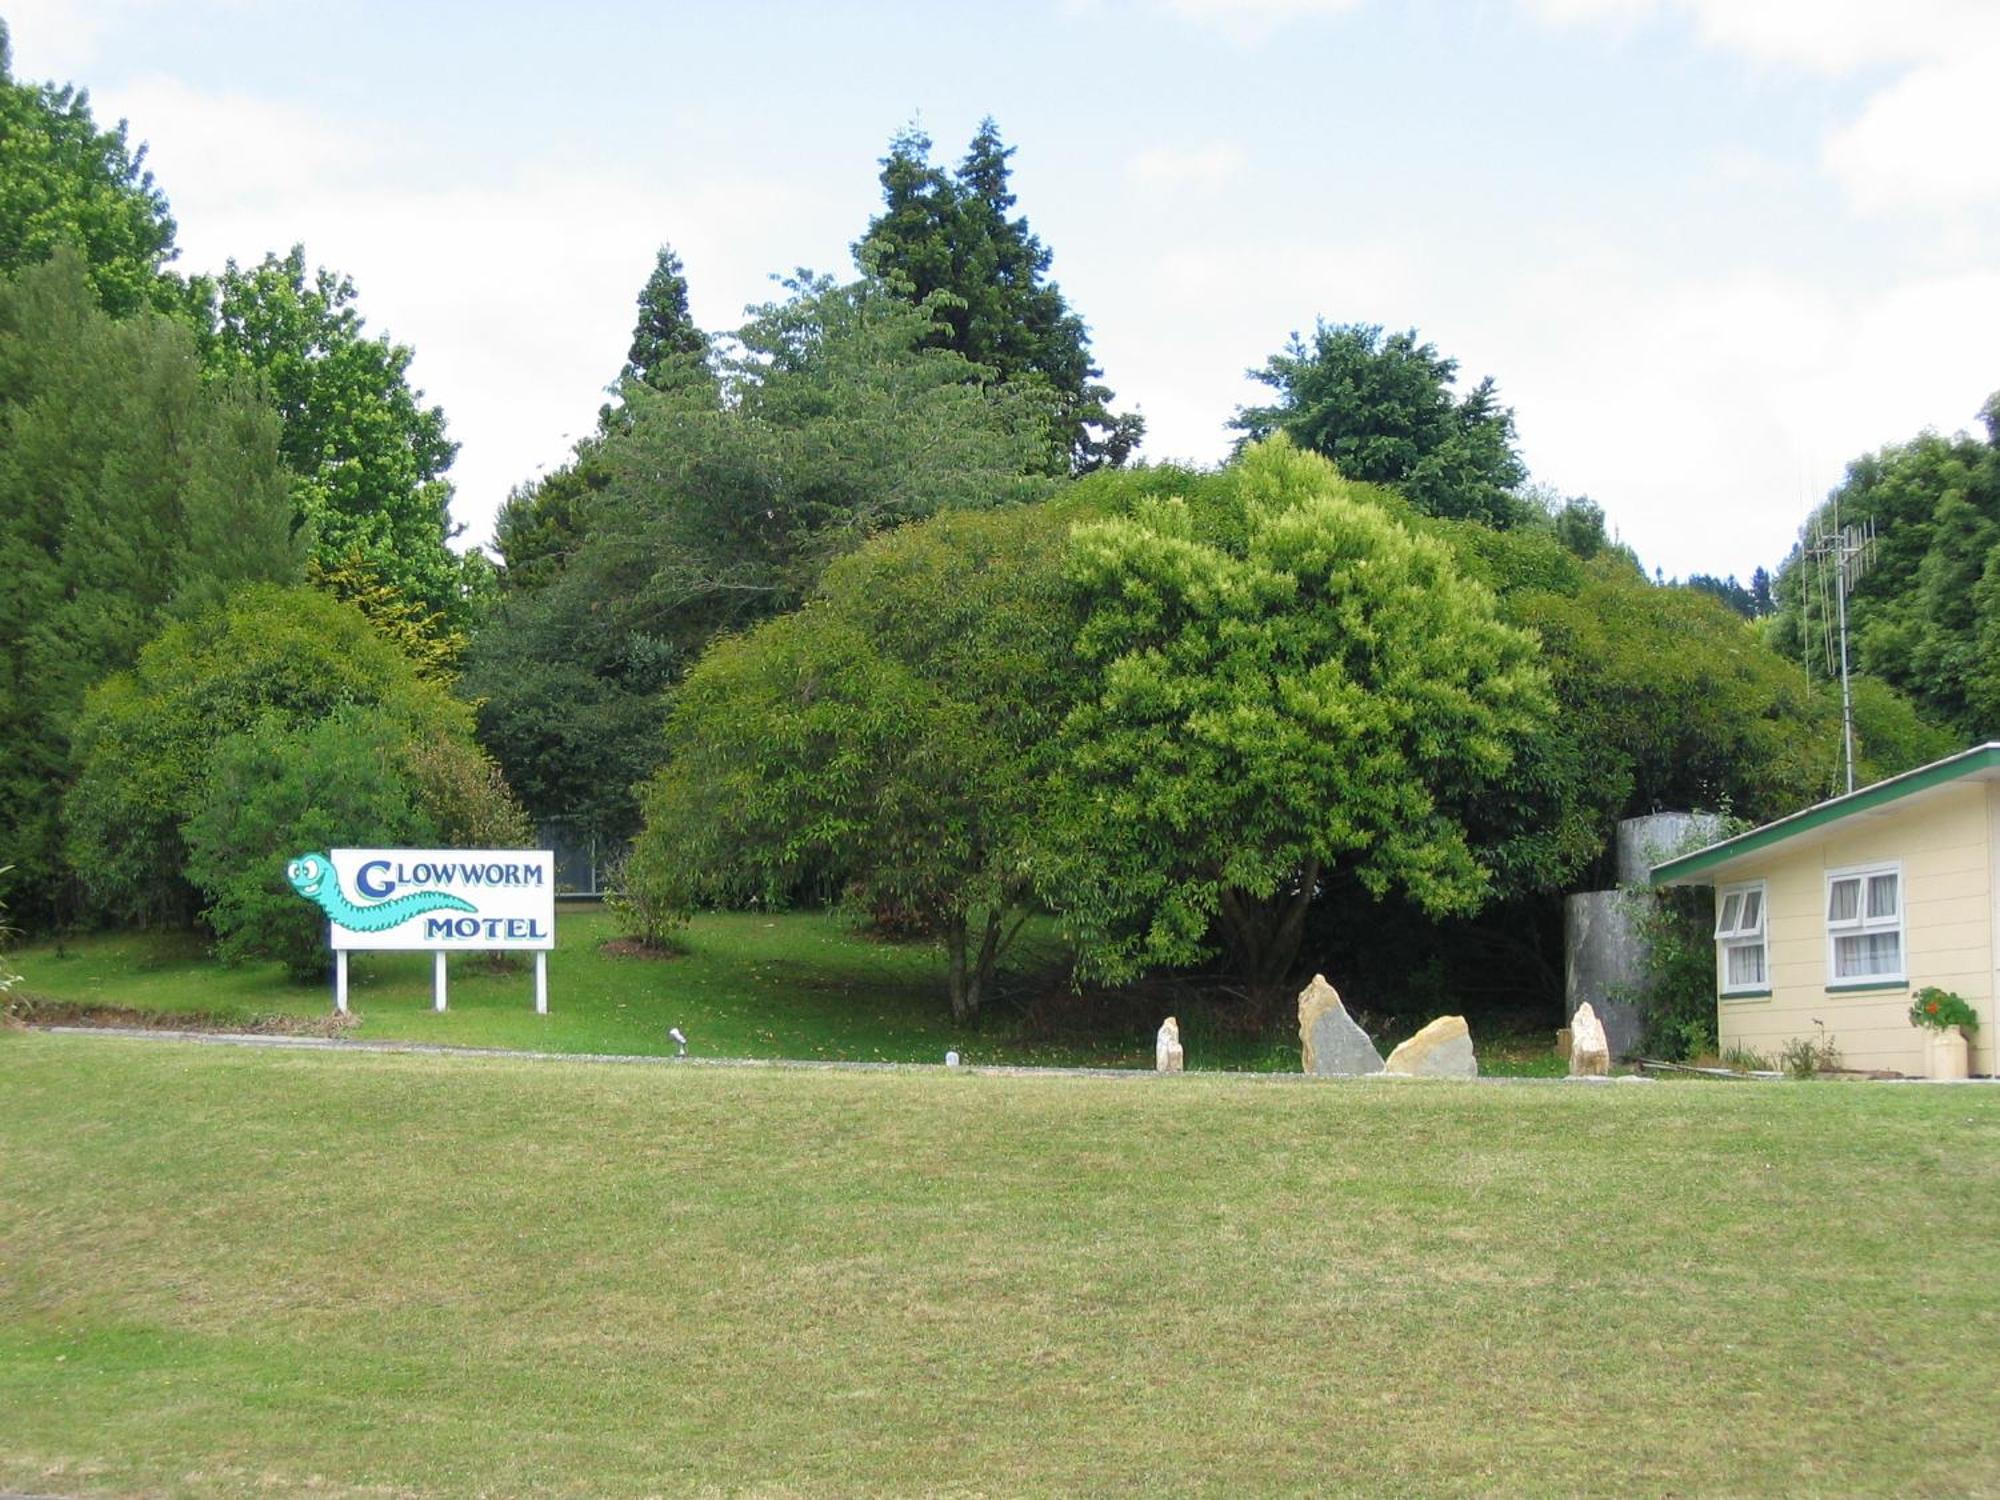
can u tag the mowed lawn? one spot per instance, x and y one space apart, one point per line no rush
234 1272
797 985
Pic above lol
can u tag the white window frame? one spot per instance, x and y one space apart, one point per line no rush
1861 924
1735 931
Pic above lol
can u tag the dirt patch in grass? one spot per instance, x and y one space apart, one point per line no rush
30 1011
633 948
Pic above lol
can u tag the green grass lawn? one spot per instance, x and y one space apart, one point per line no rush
229 1272
801 985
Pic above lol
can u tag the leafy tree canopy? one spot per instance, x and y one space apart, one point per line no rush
892 737
1925 617
949 239
131 492
723 498
1292 684
1382 409
289 657
64 181
369 458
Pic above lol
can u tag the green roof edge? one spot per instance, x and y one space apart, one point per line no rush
1937 773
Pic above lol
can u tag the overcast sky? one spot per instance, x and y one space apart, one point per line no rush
1710 249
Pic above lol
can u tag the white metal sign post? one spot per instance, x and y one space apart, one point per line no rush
435 900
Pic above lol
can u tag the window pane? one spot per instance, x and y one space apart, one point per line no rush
1732 906
1865 955
1744 965
1843 901
1753 911
1881 895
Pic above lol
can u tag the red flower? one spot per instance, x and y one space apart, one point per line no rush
1932 1007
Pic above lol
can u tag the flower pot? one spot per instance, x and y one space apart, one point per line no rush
1944 1053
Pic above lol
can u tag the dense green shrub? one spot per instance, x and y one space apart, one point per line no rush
355 777
273 791
279 722
1676 998
146 737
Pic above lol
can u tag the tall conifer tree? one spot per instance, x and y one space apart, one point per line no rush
954 233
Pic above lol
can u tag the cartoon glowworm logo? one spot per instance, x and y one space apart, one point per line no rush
312 876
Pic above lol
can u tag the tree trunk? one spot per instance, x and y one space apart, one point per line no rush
982 969
964 997
1263 935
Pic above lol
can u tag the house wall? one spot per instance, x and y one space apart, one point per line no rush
1948 845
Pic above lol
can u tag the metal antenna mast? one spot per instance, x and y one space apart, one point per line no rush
1850 549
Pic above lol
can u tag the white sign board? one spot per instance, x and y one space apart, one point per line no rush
436 900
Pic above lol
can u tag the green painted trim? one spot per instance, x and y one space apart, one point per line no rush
1967 763
1744 995
1880 984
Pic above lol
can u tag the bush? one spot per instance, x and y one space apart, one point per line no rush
1807 1057
1938 1009
274 791
1676 996
353 778
147 738
649 899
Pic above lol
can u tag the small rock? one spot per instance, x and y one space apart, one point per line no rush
1442 1049
1167 1054
1563 1043
1589 1052
1330 1044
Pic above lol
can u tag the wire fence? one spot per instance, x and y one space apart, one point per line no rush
585 862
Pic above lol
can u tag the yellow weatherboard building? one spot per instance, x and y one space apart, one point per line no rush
1839 913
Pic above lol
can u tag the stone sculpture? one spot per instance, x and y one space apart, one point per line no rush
1589 1052
1330 1044
1442 1049
1168 1056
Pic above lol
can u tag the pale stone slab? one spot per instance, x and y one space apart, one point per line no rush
1589 1052
1168 1057
1442 1049
1330 1044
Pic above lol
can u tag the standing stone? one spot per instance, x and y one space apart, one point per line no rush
1167 1054
1442 1049
1589 1052
1562 1042
1331 1045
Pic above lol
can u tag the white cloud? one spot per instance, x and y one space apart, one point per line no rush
238 146
1708 415
1923 136
1925 141
1826 36
1251 21
1707 411
51 39
1177 328
1197 168
517 296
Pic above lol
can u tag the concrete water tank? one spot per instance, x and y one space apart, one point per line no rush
1604 958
